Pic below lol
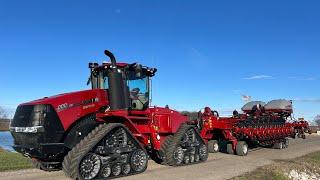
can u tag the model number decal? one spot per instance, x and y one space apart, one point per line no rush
85 103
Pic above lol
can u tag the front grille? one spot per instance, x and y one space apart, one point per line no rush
27 139
29 115
46 142
42 115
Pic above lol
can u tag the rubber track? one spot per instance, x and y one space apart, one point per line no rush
72 159
164 146
176 140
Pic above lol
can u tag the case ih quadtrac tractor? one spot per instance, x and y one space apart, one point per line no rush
108 131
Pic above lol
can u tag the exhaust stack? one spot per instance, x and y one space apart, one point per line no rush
118 89
112 58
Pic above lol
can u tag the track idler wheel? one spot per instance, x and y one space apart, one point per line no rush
139 160
109 151
105 172
116 169
186 147
126 169
242 148
90 166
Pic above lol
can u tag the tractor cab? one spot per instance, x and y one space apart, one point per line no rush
127 85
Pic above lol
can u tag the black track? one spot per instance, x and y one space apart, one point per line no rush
189 140
113 151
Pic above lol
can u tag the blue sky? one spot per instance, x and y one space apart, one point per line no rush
208 53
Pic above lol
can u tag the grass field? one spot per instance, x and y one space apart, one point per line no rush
13 161
305 167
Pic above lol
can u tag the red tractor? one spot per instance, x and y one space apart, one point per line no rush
261 125
108 131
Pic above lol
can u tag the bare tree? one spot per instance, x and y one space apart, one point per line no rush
317 120
3 113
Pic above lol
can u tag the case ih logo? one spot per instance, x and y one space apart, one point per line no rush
85 103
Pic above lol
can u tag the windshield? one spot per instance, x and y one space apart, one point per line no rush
139 92
138 83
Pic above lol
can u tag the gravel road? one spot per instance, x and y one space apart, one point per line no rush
218 166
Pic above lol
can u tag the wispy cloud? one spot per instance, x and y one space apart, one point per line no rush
258 77
197 56
303 78
308 100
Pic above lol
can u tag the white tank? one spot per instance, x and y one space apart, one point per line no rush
248 107
279 104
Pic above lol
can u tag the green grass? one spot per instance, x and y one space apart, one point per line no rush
280 169
13 161
313 158
263 173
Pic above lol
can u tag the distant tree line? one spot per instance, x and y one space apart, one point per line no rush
4 119
191 114
3 113
317 120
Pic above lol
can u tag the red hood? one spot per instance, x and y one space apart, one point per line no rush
74 105
51 99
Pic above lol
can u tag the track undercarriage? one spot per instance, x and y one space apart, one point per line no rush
108 151
185 147
111 151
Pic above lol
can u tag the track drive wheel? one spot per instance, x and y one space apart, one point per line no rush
213 146
186 147
110 150
242 148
